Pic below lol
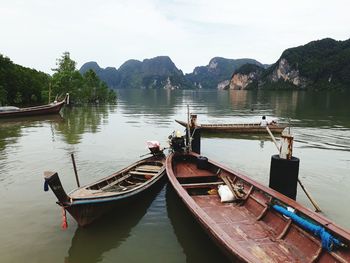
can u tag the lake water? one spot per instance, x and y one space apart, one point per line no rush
158 229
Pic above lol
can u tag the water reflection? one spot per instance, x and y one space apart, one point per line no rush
196 245
89 244
83 119
136 103
11 129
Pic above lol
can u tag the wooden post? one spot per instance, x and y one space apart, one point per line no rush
188 130
75 170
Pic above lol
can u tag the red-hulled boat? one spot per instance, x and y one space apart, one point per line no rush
257 226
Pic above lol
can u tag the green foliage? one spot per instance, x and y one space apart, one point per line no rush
20 85
326 63
249 68
150 74
219 69
82 89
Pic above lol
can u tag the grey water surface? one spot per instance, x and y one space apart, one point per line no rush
106 138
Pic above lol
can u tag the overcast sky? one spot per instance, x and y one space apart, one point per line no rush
34 33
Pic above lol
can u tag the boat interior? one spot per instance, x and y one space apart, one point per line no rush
249 222
121 182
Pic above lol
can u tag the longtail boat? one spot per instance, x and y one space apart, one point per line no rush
237 128
13 112
258 224
88 203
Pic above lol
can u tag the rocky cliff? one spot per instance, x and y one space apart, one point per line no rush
322 64
217 73
246 77
158 72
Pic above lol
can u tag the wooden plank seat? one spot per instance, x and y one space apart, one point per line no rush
140 169
116 181
201 185
150 167
141 173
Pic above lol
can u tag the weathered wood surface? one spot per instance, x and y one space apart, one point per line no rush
249 230
237 128
88 203
32 111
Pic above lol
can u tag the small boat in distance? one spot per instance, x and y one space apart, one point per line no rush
256 224
237 128
88 203
52 108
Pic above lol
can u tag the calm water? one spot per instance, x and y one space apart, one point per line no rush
157 229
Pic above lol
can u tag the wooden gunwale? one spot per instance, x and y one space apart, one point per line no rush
36 110
230 246
124 175
232 127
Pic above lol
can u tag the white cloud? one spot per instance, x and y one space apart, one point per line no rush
35 32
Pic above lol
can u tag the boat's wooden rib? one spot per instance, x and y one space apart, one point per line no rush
250 230
52 108
237 128
88 203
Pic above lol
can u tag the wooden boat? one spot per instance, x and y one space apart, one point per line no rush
237 128
88 203
14 112
254 227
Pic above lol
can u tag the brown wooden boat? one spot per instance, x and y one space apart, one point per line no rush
13 112
237 128
254 227
88 203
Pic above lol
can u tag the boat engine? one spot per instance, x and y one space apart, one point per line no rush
177 142
154 147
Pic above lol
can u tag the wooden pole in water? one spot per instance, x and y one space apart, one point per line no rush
188 130
75 170
313 202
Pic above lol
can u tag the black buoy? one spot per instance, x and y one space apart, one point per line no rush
202 162
284 175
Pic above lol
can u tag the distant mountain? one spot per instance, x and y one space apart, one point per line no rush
158 72
218 72
321 64
109 75
161 72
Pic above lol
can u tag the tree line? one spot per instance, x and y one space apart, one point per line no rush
23 86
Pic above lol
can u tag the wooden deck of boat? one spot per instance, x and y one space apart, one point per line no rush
255 236
246 227
190 171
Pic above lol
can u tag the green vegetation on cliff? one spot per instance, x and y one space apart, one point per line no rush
324 63
318 65
218 70
154 73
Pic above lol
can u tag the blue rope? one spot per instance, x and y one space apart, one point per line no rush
46 186
328 241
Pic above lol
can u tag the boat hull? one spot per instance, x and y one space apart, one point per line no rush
34 111
248 230
87 212
237 128
88 203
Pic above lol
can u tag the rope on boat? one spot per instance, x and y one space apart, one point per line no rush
328 241
46 186
64 224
